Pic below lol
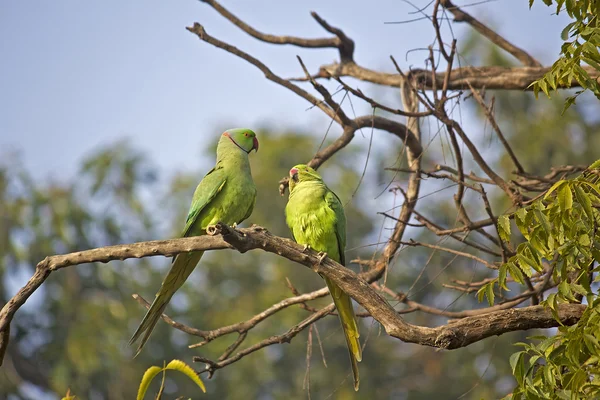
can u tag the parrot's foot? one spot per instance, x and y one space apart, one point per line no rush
321 256
213 230
306 247
234 225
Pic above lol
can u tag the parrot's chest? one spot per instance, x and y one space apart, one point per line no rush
311 223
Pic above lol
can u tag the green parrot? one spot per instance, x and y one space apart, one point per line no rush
315 216
226 194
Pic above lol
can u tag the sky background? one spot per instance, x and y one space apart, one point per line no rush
78 75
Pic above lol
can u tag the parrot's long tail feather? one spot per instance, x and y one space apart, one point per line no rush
343 303
182 267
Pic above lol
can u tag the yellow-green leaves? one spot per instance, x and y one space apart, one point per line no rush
504 227
582 39
565 197
69 396
175 365
565 366
562 237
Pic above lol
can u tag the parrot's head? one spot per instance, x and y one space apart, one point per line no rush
302 173
243 138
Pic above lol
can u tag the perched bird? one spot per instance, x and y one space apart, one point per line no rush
226 194
315 216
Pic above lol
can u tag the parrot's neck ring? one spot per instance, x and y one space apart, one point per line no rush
234 142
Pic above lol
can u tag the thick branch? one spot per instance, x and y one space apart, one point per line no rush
490 77
459 334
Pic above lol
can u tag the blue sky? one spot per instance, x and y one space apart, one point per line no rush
76 75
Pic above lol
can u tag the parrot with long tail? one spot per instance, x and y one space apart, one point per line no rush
315 216
226 194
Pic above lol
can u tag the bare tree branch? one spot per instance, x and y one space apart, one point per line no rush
462 16
489 77
344 44
212 366
202 35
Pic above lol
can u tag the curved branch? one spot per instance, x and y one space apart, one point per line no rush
453 335
343 43
333 42
202 35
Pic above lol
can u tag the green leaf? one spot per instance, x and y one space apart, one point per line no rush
595 165
146 379
579 289
565 197
543 221
504 227
175 365
584 240
526 264
565 290
516 272
569 101
553 188
517 366
544 85
490 294
585 202
521 214
178 365
565 32
549 376
502 277
523 221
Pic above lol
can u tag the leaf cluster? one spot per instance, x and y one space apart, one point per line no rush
562 245
582 40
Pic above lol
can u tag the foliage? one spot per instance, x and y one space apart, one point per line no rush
175 365
564 366
561 235
584 35
69 396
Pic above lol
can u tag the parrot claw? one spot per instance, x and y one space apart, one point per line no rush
234 225
306 247
321 256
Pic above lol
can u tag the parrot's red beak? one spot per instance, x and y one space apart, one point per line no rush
255 142
294 174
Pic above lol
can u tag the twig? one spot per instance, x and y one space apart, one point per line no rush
414 243
461 16
488 113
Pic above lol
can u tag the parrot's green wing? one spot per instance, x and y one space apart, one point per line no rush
207 190
334 203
